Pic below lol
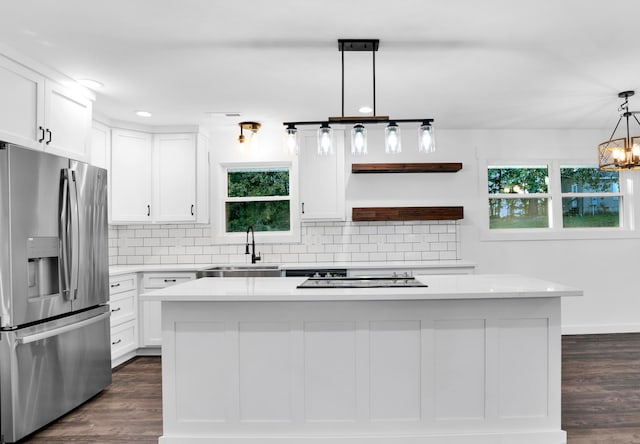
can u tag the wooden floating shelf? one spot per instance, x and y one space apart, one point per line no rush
440 167
406 213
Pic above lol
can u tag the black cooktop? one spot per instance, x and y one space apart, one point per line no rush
362 282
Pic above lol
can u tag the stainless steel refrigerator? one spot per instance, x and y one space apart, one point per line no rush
54 317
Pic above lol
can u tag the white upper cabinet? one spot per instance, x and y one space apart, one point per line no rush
175 178
39 113
22 111
100 145
322 188
130 176
158 177
68 122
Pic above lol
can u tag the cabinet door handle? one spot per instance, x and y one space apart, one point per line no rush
116 342
50 136
41 134
115 285
169 280
148 210
192 209
302 207
116 309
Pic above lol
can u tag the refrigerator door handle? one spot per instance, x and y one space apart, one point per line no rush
63 230
60 330
75 235
69 234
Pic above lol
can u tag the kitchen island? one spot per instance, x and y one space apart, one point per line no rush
467 359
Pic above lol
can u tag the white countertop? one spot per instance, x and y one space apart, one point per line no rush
116 270
269 289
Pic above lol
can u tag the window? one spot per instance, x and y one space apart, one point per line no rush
554 200
519 197
258 197
590 197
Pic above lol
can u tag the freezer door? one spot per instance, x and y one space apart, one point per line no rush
49 369
93 255
29 200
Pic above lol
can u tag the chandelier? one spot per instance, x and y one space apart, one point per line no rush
392 139
621 153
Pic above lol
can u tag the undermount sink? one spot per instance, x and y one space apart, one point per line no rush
257 270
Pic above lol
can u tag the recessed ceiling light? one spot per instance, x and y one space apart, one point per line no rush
143 113
365 109
222 114
90 83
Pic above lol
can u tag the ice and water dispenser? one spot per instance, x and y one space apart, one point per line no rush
42 262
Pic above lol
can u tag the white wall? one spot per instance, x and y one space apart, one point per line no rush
604 268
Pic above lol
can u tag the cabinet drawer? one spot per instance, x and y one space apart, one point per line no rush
120 284
161 280
123 308
123 339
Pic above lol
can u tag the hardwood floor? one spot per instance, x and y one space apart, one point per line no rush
128 411
600 398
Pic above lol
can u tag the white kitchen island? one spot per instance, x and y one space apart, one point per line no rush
468 359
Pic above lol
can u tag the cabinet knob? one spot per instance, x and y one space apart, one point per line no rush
169 280
116 342
116 309
41 134
50 136
302 207
115 285
192 209
148 210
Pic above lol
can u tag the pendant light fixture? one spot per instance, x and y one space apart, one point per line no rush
621 153
359 143
292 143
392 142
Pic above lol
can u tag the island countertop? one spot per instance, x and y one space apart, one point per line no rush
439 287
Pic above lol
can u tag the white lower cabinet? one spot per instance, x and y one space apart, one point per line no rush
150 313
123 299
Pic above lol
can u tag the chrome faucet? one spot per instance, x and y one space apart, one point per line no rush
254 257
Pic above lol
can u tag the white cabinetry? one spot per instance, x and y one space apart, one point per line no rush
322 179
123 298
100 145
41 114
174 179
130 176
150 313
158 177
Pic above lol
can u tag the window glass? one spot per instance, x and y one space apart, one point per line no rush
255 183
588 180
518 213
582 212
520 180
257 197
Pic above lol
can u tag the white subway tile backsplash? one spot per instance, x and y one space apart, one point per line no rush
320 242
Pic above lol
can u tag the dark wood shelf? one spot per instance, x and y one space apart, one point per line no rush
406 213
440 167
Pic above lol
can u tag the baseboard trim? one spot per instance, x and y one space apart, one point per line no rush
591 329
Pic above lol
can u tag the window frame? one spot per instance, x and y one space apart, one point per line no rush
628 211
221 236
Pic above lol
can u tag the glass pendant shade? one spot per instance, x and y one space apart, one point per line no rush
426 143
325 140
292 144
359 140
392 143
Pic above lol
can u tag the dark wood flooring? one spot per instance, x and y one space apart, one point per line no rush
600 398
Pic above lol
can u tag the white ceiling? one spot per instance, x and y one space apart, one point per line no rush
465 63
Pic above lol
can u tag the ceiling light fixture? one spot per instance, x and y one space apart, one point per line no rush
143 113
252 127
90 83
359 132
621 153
